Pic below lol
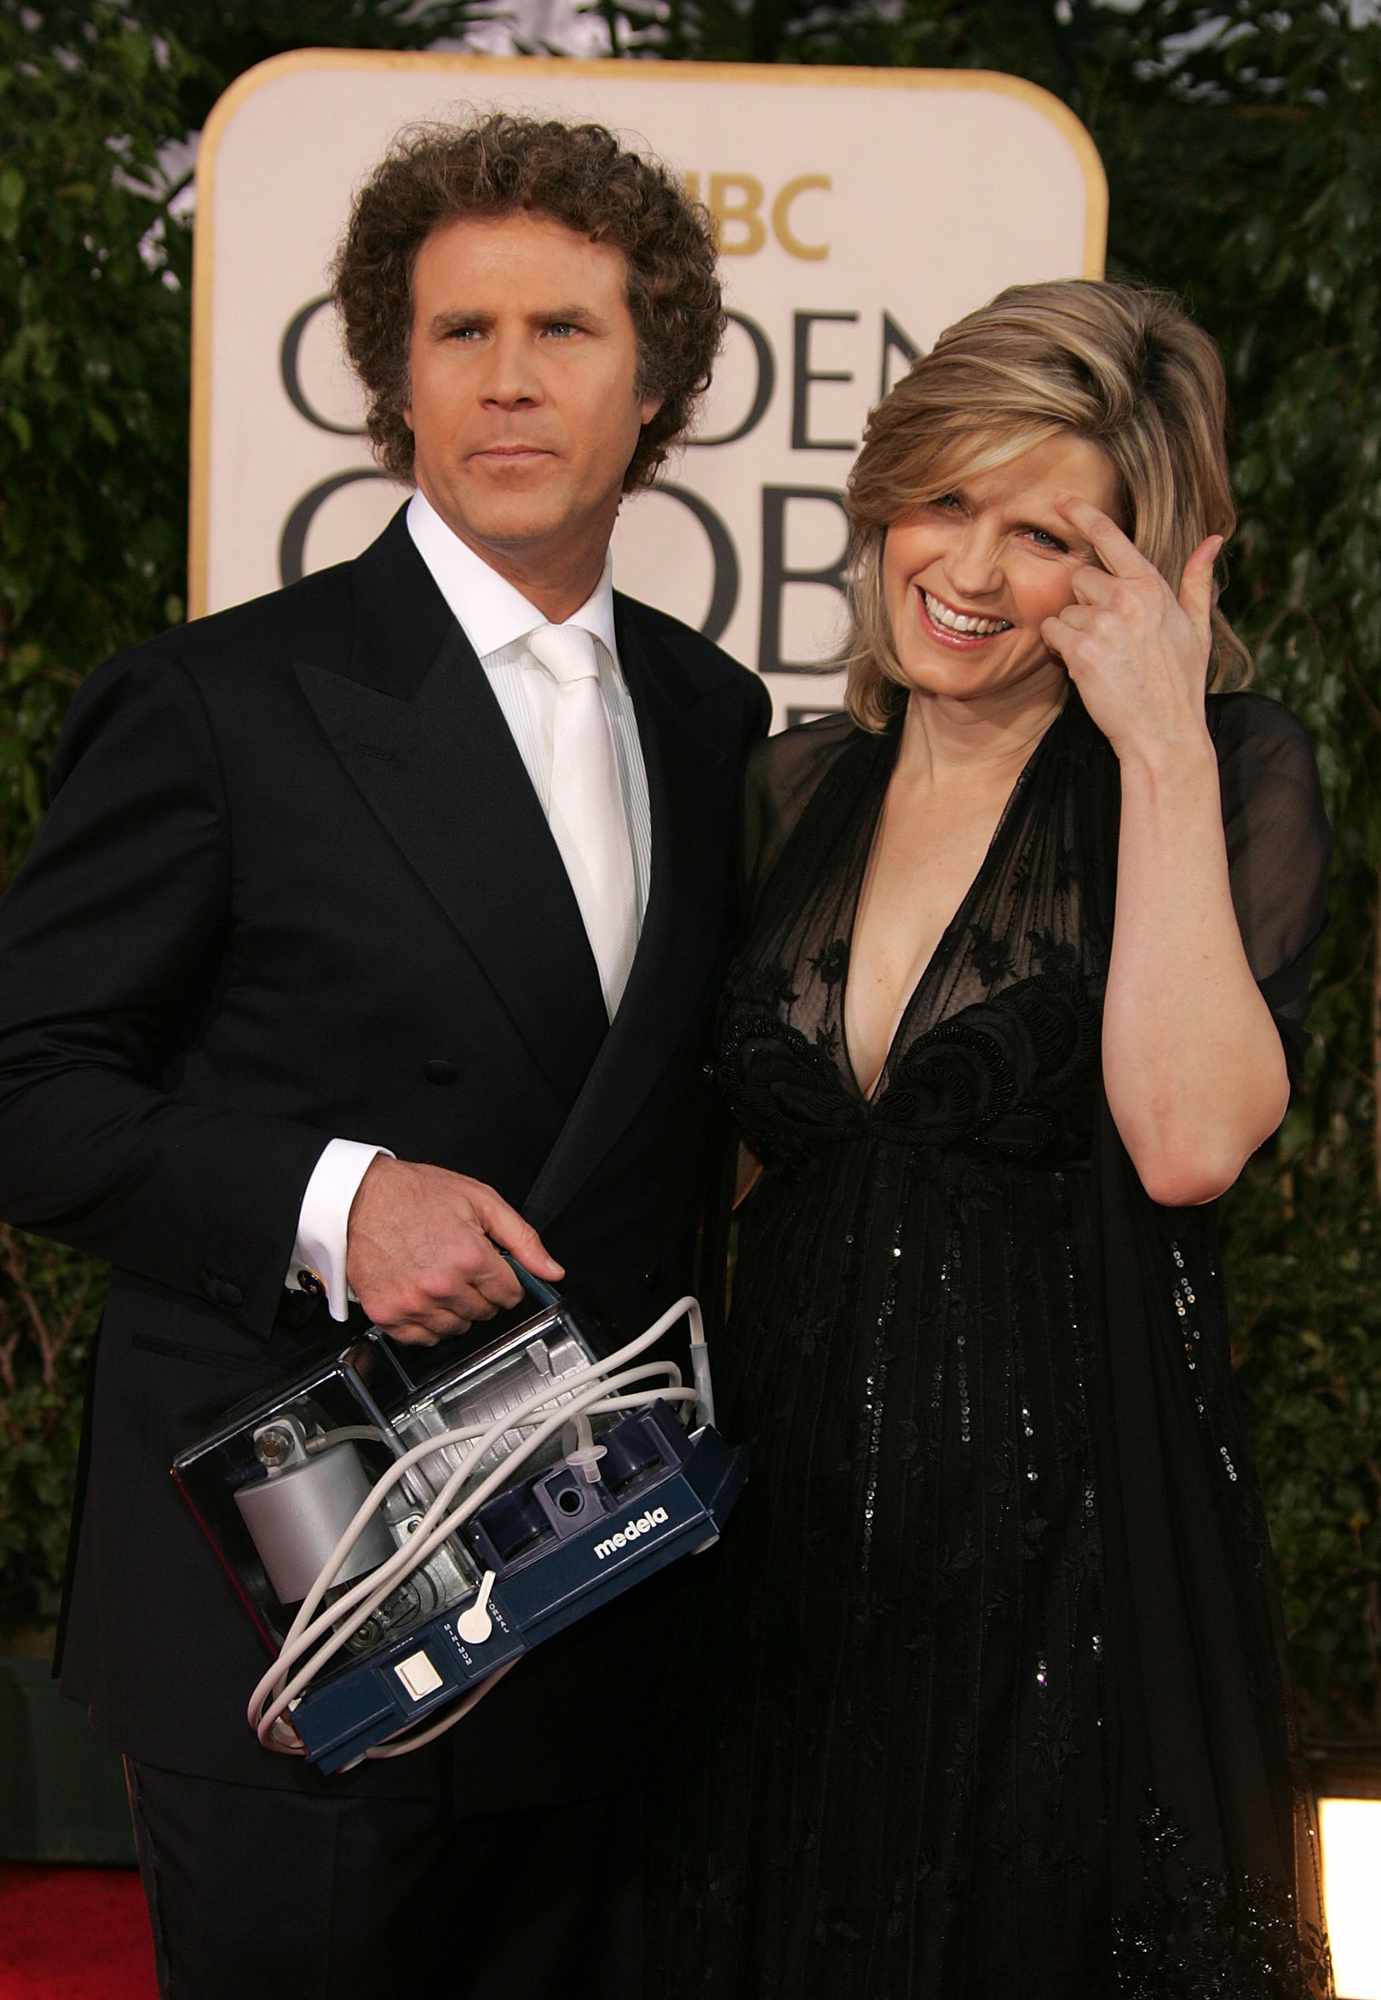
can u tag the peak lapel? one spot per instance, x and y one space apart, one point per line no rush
417 727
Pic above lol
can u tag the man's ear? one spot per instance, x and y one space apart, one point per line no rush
407 416
649 407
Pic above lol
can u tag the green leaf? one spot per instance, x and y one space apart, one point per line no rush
137 55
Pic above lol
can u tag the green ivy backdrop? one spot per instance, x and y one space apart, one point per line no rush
1243 147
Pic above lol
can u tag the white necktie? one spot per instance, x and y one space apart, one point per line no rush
586 812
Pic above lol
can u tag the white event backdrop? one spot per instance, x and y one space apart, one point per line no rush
858 211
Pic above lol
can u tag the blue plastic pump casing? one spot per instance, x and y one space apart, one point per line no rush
274 1486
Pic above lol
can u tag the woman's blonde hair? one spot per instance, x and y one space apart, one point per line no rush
1119 365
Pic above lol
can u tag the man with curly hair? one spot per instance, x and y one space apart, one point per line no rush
375 928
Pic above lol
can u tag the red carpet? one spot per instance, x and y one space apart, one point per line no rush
73 1934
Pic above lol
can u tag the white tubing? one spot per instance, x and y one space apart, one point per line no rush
279 1688
379 1583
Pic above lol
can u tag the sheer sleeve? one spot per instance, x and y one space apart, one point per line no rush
782 774
1278 844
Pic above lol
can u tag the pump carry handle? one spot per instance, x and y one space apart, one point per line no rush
536 1288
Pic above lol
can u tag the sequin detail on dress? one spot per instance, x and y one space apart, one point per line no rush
925 1684
1206 1936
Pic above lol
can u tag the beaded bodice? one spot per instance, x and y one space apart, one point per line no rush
996 1050
1013 1079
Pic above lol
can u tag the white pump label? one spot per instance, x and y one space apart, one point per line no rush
630 1532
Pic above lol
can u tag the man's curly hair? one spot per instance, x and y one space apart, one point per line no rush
502 164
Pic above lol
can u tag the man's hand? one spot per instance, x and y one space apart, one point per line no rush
420 1250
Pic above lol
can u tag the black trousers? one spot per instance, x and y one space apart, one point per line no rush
292 1897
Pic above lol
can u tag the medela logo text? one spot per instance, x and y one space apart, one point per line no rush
644 1525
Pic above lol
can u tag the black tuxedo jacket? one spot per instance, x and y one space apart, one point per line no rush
295 883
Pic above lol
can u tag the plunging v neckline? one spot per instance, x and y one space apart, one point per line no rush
911 995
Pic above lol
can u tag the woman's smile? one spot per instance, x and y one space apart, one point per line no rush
975 571
951 626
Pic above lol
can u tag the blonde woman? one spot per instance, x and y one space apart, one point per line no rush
1001 1709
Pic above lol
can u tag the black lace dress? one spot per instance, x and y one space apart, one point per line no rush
989 1687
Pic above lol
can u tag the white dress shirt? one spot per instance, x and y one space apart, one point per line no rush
496 619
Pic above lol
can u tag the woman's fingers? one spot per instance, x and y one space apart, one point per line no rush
1069 632
1119 555
1092 585
1196 585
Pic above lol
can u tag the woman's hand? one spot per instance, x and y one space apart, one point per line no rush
1137 654
1192 1062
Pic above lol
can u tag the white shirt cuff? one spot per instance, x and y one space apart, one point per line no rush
319 1251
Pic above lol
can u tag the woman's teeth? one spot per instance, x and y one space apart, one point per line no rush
959 621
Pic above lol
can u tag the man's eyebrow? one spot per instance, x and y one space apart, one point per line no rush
453 321
457 320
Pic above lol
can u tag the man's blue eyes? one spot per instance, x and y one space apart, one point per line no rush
562 326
